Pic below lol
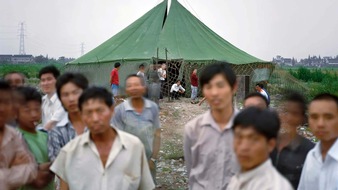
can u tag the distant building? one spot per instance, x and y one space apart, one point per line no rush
22 58
5 58
333 62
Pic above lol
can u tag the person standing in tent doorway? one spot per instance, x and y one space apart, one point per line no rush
114 79
154 85
141 74
163 75
194 86
260 88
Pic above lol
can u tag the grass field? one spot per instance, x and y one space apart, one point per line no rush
31 70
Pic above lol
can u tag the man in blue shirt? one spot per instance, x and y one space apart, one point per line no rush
140 117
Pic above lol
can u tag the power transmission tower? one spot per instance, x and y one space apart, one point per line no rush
22 40
82 48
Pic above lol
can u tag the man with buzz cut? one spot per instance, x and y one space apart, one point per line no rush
320 171
103 157
140 117
255 133
208 139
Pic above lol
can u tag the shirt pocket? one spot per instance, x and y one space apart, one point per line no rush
130 182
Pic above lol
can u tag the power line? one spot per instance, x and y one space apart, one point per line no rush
22 40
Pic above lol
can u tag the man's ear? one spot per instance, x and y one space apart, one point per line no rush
272 144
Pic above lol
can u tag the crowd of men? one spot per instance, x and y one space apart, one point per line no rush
75 137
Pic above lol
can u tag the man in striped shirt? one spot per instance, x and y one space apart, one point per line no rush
69 88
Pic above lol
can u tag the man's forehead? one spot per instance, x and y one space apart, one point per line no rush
94 102
323 104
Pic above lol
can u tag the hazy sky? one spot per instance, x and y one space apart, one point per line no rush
263 28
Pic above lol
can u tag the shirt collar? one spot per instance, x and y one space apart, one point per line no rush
258 171
208 120
85 139
333 152
52 99
64 122
129 107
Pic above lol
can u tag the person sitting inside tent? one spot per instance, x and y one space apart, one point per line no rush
176 90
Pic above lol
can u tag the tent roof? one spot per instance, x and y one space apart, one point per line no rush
186 37
137 41
179 33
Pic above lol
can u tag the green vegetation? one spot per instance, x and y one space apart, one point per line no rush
318 80
31 70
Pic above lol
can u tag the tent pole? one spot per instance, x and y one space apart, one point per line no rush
166 62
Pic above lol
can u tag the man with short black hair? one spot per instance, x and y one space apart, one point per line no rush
52 110
176 90
255 99
29 114
69 88
320 170
103 157
208 139
260 88
255 132
114 79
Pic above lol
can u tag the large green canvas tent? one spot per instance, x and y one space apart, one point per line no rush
177 38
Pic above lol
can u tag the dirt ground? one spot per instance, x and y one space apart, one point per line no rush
171 172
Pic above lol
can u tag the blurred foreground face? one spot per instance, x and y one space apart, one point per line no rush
5 107
69 96
47 83
96 115
134 87
251 148
15 80
255 101
29 114
218 92
323 119
293 114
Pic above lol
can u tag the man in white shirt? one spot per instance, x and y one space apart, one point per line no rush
104 157
255 132
260 88
52 110
141 74
320 171
163 75
176 90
